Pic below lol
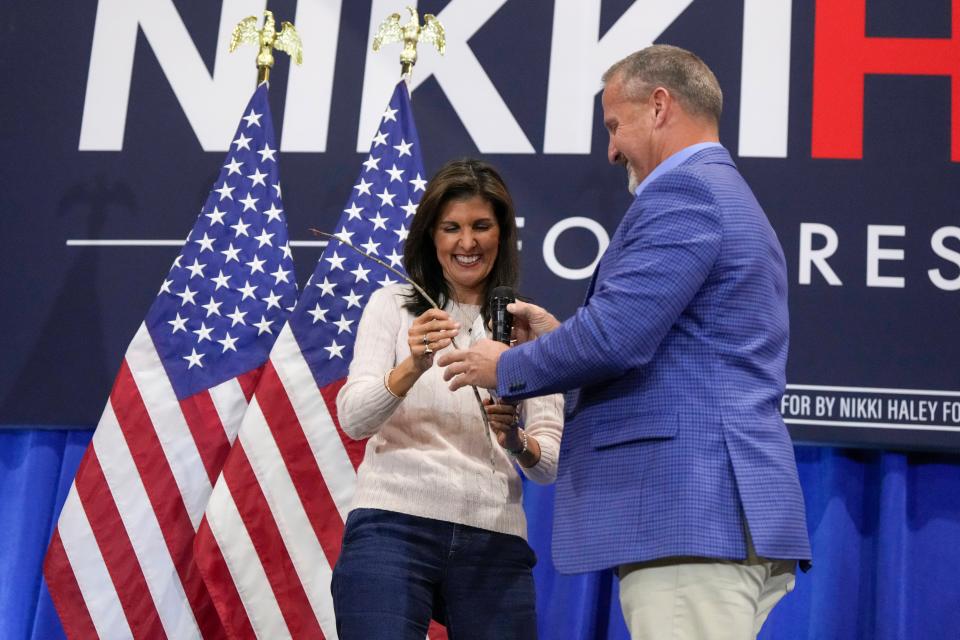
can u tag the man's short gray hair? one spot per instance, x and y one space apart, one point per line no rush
679 71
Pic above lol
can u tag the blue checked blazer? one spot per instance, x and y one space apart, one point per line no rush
675 369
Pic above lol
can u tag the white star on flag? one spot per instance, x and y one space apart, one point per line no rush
252 118
326 287
319 315
280 275
273 213
343 324
196 269
344 235
212 307
379 222
237 317
395 259
247 290
419 184
231 254
409 209
256 265
194 359
353 299
404 148
264 239
267 153
225 191
222 280
336 262
228 343
336 350
187 296
179 324
203 333
363 187
240 229
216 216
272 300
360 274
263 326
233 167
395 174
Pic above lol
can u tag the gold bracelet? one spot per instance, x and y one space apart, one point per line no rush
386 384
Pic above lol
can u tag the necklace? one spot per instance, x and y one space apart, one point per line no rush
465 314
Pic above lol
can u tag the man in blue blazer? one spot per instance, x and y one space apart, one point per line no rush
675 467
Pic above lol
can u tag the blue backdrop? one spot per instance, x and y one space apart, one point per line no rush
884 528
113 127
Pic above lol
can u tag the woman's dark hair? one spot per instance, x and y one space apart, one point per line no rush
459 180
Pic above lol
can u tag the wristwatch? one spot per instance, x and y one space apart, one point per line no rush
516 453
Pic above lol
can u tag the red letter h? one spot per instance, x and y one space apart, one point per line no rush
843 55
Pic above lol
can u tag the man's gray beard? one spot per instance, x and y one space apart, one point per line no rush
632 182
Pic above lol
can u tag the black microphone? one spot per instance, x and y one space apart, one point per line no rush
501 319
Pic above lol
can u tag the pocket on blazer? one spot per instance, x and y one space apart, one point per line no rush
639 429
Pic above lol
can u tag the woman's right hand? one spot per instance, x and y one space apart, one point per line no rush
430 332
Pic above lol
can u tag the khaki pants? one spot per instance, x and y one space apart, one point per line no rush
702 599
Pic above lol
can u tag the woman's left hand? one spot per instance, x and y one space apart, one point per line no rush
505 422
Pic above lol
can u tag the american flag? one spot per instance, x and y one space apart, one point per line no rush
120 563
275 519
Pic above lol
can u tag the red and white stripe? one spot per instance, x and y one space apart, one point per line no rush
275 519
120 563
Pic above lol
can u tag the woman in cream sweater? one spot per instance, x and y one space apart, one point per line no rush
437 527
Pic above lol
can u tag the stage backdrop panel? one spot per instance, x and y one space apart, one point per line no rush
839 113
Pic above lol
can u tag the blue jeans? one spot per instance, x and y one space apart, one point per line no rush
396 571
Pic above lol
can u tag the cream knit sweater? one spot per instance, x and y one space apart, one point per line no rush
429 453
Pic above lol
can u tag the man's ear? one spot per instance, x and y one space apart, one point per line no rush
660 99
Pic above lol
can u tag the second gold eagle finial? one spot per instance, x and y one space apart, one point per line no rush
267 39
410 34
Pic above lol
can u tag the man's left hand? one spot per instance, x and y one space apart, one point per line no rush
476 365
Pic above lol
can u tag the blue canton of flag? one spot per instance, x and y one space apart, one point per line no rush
376 221
229 291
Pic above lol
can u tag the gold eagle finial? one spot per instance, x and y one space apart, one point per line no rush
410 34
267 38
